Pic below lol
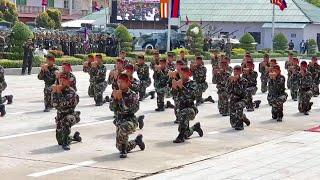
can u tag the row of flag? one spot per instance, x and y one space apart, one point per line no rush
175 8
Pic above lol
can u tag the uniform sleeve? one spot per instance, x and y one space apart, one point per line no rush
71 100
41 75
129 105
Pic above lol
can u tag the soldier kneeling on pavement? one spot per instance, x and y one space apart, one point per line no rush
98 72
186 91
305 89
65 100
8 98
125 103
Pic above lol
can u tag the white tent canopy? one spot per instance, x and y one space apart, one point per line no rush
76 23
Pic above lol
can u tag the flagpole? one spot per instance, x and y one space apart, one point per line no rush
273 16
169 26
106 4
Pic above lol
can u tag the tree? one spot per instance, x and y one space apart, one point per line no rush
55 15
124 38
8 11
43 20
195 39
312 47
247 42
20 34
280 42
314 2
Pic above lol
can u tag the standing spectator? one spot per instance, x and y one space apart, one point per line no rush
28 56
306 47
291 45
302 47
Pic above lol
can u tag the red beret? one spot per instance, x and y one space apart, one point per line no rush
277 67
304 64
124 77
120 61
129 67
237 67
67 65
179 62
186 70
51 58
64 77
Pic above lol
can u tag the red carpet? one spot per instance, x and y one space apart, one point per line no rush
315 129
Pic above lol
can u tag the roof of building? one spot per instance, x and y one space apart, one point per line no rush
95 15
285 25
298 11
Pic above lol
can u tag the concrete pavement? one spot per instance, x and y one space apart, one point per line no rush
28 147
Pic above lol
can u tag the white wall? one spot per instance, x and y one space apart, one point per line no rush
34 3
287 33
58 3
311 31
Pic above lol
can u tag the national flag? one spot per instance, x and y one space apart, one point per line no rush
44 2
175 8
86 43
164 9
281 3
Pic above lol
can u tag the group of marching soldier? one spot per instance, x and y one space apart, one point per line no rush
182 81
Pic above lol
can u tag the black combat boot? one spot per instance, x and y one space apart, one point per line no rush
77 137
280 115
2 110
160 108
199 102
176 121
169 105
99 101
152 94
9 99
209 99
140 142
47 109
180 138
140 121
239 128
106 99
257 103
246 121
123 153
197 128
65 145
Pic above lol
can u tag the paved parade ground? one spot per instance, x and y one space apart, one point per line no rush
265 150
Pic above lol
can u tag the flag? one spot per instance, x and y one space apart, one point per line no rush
44 2
164 9
86 43
187 20
175 8
281 3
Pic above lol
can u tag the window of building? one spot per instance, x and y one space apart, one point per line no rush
256 36
66 4
50 3
21 2
293 35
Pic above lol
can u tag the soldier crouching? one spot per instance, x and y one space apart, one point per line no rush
305 89
8 98
65 100
125 103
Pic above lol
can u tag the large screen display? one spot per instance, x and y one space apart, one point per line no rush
138 10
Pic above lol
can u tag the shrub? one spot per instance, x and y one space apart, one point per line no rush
124 37
6 63
318 54
20 34
10 13
11 56
246 42
195 40
238 51
280 42
178 50
71 60
43 20
312 47
37 61
55 16
148 52
280 51
81 56
56 53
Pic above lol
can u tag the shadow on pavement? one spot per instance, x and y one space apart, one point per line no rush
167 123
104 118
107 136
110 157
48 150
270 121
37 101
37 112
214 116
171 144
229 131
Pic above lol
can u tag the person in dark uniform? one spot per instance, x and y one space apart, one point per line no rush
27 57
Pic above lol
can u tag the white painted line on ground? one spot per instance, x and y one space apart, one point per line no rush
61 169
51 130
214 132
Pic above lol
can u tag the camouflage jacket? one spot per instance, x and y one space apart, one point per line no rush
222 79
294 73
251 78
3 84
66 101
49 77
135 85
72 79
305 82
187 95
153 64
276 87
86 69
98 74
171 66
215 62
237 90
128 105
143 72
263 70
185 61
112 80
314 69
161 79
199 74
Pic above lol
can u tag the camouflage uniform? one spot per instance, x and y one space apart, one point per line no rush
161 80
294 81
223 102
314 69
305 92
125 119
49 78
65 103
145 80
3 85
215 65
135 85
187 109
113 82
72 79
154 63
251 78
199 76
99 83
277 96
238 100
90 89
185 61
264 76
171 66
287 66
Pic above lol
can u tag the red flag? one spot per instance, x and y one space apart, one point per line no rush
281 3
175 10
44 2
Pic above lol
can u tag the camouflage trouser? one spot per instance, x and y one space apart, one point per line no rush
160 96
64 123
294 91
143 87
304 101
2 99
186 115
223 102
236 113
176 106
315 89
90 90
202 88
47 96
3 86
250 92
214 81
277 105
264 84
124 129
98 89
288 82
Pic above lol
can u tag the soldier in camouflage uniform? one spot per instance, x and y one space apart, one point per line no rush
264 70
237 87
170 64
67 71
8 98
251 77
156 59
199 72
276 92
228 48
314 69
186 91
294 79
113 75
161 80
222 75
287 66
305 89
214 64
86 68
144 77
65 100
125 103
48 74
183 57
123 56
98 72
